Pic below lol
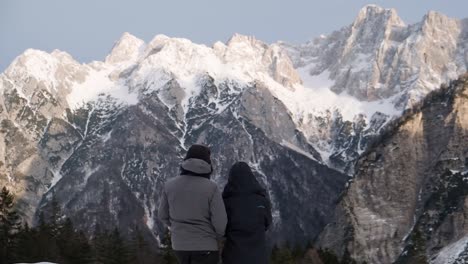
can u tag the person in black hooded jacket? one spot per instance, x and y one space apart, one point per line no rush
249 217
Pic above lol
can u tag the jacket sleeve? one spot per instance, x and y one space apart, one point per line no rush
163 210
218 213
268 216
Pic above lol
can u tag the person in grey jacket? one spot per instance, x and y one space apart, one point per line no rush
192 207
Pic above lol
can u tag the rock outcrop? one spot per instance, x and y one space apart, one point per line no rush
407 199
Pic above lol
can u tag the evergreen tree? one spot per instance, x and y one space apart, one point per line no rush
73 246
118 248
111 248
274 253
141 252
26 245
347 258
167 252
55 215
9 225
419 247
282 255
100 242
46 248
48 233
297 252
82 251
328 257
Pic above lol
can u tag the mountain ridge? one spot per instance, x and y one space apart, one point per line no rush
290 106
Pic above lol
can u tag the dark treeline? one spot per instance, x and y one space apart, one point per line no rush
308 255
55 239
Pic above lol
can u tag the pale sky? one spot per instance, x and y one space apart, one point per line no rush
87 29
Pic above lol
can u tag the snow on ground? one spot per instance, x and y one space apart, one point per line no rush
38 263
451 252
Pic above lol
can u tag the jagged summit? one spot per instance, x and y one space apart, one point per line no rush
161 39
433 22
434 15
239 38
38 58
374 14
127 48
50 70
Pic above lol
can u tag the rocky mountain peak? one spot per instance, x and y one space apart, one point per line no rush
241 47
36 70
374 13
39 63
32 60
158 41
435 17
237 38
127 48
435 23
373 25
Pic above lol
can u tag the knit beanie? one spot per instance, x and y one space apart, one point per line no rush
199 152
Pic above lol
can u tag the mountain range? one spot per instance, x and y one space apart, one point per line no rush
339 130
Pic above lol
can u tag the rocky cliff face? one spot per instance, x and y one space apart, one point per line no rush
407 199
103 137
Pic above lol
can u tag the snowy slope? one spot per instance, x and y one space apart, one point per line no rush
451 254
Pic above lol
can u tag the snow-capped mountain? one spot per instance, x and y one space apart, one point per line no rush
372 70
104 136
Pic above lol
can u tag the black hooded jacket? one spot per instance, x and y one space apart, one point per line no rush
249 216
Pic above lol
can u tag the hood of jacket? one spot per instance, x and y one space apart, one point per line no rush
196 167
242 181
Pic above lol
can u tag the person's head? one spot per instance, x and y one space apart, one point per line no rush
197 151
242 180
197 161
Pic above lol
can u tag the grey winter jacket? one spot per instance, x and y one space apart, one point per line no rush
193 208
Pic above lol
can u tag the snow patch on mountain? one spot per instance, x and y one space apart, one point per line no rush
450 253
315 98
98 83
318 94
298 150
